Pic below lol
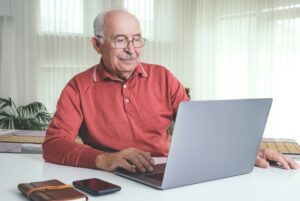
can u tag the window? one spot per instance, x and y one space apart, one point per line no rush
292 26
54 20
258 56
143 10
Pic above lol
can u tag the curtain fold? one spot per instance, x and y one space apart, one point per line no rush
219 48
19 52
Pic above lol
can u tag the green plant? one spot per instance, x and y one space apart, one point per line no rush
33 116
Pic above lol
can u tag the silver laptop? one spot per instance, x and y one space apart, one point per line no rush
211 140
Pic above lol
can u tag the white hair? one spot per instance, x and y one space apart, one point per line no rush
99 21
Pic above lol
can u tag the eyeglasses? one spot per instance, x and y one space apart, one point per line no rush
122 42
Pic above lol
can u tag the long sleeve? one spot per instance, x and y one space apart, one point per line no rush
60 146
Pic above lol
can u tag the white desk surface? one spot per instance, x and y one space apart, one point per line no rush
272 184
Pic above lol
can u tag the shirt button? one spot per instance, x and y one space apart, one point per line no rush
126 100
124 86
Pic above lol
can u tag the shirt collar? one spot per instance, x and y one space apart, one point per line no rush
140 71
100 72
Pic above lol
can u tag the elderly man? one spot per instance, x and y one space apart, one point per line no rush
121 108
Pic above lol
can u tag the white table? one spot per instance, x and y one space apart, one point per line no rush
273 184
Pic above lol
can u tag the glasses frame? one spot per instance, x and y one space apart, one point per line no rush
143 40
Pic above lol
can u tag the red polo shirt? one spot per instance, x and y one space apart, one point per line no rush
111 115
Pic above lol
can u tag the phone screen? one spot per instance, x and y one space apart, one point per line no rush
96 186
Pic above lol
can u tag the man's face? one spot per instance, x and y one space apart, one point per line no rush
121 62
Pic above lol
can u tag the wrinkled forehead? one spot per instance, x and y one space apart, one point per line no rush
121 23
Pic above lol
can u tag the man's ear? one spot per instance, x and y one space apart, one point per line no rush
96 44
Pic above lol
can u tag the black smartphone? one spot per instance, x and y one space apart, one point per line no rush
96 186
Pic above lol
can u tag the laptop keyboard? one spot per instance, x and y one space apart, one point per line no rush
159 168
157 174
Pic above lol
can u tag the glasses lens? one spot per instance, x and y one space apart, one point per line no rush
138 42
123 43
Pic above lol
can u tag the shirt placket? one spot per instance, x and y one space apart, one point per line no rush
126 97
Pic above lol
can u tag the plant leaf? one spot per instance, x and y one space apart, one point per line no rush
33 116
31 124
7 122
4 103
5 114
4 123
43 117
30 110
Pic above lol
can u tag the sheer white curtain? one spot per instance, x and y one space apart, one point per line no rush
19 53
44 44
219 48
249 49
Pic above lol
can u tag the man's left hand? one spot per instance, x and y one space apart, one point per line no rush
264 157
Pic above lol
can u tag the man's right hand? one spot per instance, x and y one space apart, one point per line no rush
130 159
